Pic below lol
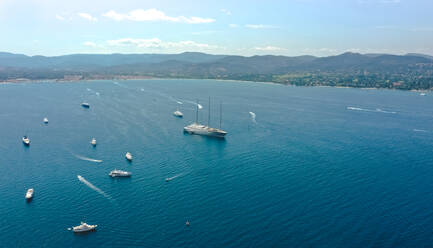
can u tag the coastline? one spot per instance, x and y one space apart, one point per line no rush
18 81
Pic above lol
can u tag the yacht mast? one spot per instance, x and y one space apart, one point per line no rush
196 113
221 113
208 114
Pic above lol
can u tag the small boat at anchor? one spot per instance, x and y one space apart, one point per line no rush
84 227
119 173
177 113
85 105
26 140
128 156
29 194
46 120
93 142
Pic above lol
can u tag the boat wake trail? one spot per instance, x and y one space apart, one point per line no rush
173 177
420 130
90 185
88 159
253 116
378 110
197 104
92 91
120 85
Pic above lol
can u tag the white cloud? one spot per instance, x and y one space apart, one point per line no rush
154 15
225 11
269 48
233 25
259 26
157 43
205 32
59 17
87 17
90 44
422 29
391 1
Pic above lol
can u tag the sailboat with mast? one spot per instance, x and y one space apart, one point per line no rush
206 130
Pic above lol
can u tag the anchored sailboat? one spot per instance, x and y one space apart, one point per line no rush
206 130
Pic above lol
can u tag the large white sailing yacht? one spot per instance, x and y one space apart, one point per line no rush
206 130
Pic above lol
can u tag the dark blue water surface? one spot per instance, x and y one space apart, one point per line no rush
319 167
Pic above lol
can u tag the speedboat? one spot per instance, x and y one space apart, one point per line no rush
46 120
422 94
84 227
29 194
85 105
128 156
119 173
177 113
93 142
26 140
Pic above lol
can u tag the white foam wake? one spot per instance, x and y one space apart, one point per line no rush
173 177
90 185
253 116
420 130
378 110
197 104
88 159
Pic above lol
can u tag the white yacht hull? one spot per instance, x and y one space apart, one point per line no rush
85 230
204 130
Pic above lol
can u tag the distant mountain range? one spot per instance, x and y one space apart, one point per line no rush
348 69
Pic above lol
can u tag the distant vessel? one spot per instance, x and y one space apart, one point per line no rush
93 142
46 120
119 173
29 194
128 156
177 113
422 94
199 129
85 105
26 140
84 227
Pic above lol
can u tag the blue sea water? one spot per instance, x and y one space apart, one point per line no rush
318 167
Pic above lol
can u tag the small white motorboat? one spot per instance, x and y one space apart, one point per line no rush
128 156
422 94
84 227
29 194
93 142
119 173
177 113
46 120
26 140
85 105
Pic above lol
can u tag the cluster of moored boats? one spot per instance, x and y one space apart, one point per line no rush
83 227
194 128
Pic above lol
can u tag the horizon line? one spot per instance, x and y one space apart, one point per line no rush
216 54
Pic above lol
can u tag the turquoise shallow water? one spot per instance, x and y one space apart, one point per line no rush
319 167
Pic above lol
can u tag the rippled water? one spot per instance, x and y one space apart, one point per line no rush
300 167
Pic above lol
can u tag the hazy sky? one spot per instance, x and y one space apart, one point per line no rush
285 27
